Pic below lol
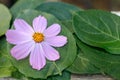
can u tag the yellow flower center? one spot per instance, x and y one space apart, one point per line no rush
38 37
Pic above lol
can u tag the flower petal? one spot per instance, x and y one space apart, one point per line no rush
22 25
53 30
56 41
22 51
37 58
50 52
17 37
39 24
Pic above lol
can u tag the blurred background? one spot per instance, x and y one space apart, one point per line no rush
110 5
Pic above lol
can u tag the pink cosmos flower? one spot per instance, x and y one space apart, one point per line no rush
38 42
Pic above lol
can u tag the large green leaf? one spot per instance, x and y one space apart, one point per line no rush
5 18
17 75
107 63
20 5
68 24
5 64
67 53
99 29
65 76
61 11
82 65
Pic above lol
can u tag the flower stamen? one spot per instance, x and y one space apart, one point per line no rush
38 37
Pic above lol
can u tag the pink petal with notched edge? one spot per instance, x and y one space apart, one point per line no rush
17 37
50 52
56 41
53 30
39 24
23 26
21 51
37 58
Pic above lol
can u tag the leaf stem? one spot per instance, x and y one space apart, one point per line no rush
57 68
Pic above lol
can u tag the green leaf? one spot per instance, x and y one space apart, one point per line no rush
65 76
16 74
98 28
67 53
21 5
6 67
107 63
5 18
61 11
82 65
69 25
